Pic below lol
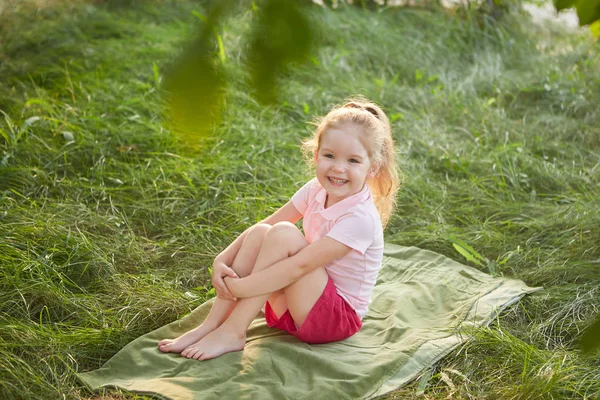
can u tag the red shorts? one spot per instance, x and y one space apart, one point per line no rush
330 319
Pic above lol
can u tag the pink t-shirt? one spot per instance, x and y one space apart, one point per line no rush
354 222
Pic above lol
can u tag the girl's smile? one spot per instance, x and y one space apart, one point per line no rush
337 182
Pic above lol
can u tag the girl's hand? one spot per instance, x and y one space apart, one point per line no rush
219 272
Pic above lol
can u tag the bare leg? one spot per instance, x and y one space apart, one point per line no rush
242 265
283 240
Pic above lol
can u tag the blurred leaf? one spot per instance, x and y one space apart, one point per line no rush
562 4
588 11
281 35
196 89
595 29
196 84
590 340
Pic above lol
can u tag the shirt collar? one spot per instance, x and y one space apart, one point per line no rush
341 207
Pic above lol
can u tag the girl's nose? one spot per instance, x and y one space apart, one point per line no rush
338 166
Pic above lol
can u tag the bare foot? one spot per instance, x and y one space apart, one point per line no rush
190 337
220 341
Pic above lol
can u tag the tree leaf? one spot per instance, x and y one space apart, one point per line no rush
588 11
590 340
196 89
562 4
196 83
595 29
281 36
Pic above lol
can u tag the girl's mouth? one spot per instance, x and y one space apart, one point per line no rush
337 182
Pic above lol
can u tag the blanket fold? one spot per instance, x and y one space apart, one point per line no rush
421 306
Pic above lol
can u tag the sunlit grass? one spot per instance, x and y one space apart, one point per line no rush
108 226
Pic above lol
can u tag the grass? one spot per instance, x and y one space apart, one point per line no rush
107 228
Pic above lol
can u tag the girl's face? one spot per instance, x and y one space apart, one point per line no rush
343 163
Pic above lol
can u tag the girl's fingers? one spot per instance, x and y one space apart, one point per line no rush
230 273
222 291
229 298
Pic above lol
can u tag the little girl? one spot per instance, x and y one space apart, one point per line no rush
317 285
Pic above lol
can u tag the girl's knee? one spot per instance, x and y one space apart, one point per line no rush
284 229
257 233
286 234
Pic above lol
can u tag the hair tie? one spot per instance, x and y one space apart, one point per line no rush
372 111
368 108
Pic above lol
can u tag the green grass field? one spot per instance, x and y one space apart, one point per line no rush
108 228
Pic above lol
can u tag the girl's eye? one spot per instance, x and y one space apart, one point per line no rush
328 155
352 160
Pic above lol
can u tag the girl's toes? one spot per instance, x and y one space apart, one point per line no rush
165 347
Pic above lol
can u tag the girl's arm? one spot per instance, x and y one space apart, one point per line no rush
287 271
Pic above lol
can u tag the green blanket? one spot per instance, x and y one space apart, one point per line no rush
421 304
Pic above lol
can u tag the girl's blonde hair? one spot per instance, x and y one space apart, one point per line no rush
380 147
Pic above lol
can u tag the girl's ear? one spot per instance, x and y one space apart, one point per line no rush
373 171
315 155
